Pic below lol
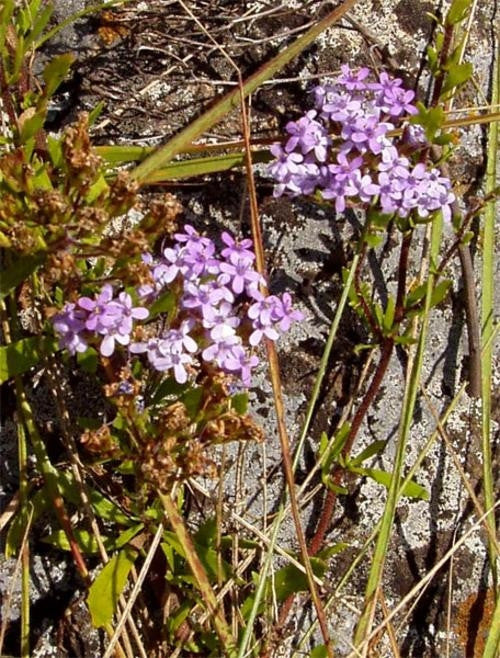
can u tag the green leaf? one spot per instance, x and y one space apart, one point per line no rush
107 587
22 355
37 505
239 402
440 291
430 119
411 490
40 23
207 532
164 304
457 75
168 388
31 126
373 240
55 72
388 320
290 580
88 360
55 151
334 549
319 652
333 453
103 507
192 400
457 12
19 271
374 448
96 189
207 165
87 542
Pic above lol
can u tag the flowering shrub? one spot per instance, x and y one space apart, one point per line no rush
217 312
367 163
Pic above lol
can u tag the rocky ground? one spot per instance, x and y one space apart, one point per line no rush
154 69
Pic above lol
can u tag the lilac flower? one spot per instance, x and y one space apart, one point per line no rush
366 133
69 323
262 314
283 313
236 250
127 312
221 314
353 81
238 361
224 340
286 163
162 272
308 135
172 351
205 296
100 313
414 134
341 107
362 186
195 253
238 275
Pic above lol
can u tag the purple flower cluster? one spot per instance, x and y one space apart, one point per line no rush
220 305
221 313
364 165
109 319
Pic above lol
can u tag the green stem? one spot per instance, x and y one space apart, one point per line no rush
25 573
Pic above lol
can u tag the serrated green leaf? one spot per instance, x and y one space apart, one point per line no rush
207 532
22 355
19 271
431 119
107 587
39 24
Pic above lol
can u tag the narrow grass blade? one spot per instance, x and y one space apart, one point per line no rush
200 166
232 100
487 313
